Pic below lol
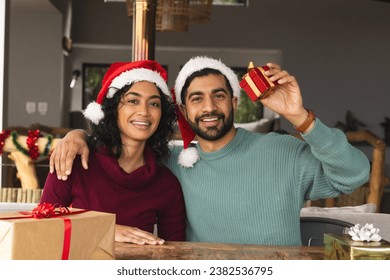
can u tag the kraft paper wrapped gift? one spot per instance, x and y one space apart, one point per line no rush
82 235
256 84
342 247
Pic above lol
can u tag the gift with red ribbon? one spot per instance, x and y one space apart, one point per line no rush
53 233
256 84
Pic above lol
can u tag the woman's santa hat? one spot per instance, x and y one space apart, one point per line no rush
120 74
189 156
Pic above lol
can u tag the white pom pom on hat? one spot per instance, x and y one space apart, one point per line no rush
94 112
120 74
189 156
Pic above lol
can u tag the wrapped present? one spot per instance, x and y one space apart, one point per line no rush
72 234
342 247
256 84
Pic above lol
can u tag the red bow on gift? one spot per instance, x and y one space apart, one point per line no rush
47 210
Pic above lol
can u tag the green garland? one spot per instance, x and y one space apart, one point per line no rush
46 151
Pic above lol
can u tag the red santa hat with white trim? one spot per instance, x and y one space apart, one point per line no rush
120 74
189 156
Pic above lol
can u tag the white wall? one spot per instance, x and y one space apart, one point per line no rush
35 65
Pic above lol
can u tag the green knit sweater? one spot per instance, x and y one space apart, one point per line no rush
251 191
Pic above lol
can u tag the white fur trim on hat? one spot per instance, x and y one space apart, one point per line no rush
94 112
137 75
199 63
188 157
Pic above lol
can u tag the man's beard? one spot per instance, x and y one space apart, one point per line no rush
213 133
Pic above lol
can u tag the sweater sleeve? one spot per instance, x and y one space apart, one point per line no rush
328 165
57 191
171 222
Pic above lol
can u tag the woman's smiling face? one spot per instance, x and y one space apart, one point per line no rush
139 112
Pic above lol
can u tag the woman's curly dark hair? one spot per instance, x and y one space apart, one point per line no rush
107 134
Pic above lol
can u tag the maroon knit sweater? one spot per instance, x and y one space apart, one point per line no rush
149 195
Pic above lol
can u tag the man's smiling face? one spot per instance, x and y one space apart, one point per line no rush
209 107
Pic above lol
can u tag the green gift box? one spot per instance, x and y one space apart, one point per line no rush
342 247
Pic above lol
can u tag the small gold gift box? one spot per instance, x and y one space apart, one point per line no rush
342 247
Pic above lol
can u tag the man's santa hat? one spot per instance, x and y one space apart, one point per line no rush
189 156
120 74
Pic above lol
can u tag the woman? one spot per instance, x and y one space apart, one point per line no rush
132 121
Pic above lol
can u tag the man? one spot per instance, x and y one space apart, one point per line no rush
239 186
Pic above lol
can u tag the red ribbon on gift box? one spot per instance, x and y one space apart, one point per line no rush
256 84
48 211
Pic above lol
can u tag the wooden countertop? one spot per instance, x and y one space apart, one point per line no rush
214 251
